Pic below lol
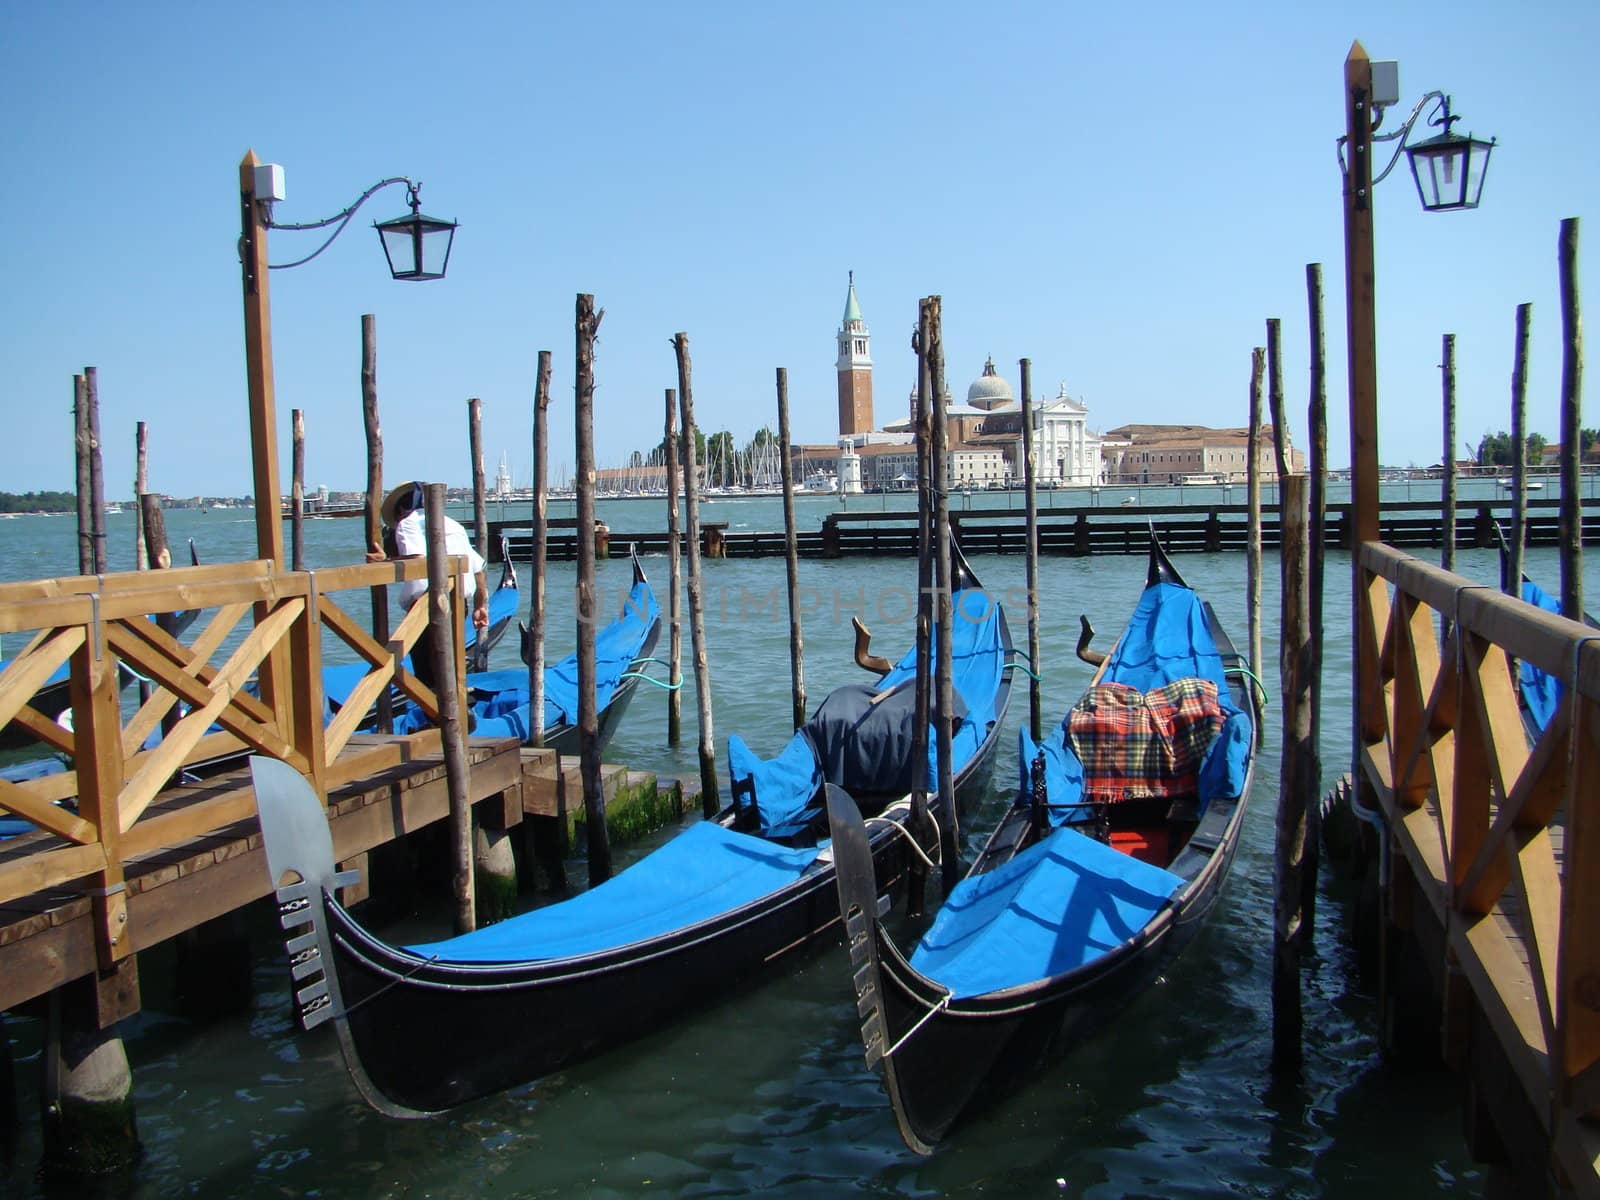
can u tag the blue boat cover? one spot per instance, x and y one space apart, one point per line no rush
702 873
503 602
793 780
1061 903
1541 691
1168 638
863 746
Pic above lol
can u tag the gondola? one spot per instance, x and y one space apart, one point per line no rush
623 650
424 1028
1538 691
1100 871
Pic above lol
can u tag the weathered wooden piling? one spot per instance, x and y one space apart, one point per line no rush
1297 791
373 524
97 476
1519 450
1252 551
674 575
791 556
1447 376
1316 554
1571 420
297 490
445 615
594 800
141 485
1280 424
480 511
922 698
944 621
89 1126
80 455
709 792
541 530
1031 555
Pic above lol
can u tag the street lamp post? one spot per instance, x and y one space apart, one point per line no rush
417 247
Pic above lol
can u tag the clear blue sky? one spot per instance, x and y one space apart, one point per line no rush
1122 193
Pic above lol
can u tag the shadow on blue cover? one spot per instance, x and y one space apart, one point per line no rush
1059 904
703 872
789 795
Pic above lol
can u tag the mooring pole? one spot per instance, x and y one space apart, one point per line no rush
97 479
1297 789
917 878
1252 500
1519 451
297 490
1316 554
141 485
1280 422
943 592
1571 415
671 458
158 557
1031 554
540 550
594 800
80 453
373 524
709 798
791 555
480 507
1447 374
445 616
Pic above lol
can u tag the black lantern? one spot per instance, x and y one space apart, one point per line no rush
417 246
1449 169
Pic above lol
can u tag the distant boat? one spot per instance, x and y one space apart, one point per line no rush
1130 502
1532 485
821 483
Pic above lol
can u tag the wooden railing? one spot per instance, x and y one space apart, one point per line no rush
1498 833
264 696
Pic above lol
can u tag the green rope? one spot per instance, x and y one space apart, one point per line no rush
1261 688
665 687
1019 667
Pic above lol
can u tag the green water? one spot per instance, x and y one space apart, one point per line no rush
766 1091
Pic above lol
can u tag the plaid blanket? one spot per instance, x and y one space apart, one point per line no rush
1137 744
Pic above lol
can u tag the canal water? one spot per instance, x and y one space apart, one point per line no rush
765 1091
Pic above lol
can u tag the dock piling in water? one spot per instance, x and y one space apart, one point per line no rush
594 800
1571 433
791 556
674 573
709 791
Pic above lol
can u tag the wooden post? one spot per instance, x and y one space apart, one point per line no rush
791 554
674 574
1316 553
97 480
1447 537
276 690
1280 423
80 451
922 700
155 525
374 521
1297 790
141 484
1571 414
1031 553
480 509
1252 500
943 584
445 624
1519 451
541 532
594 800
709 795
297 491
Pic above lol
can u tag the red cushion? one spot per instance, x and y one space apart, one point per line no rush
1150 845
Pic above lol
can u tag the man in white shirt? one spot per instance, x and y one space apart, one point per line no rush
404 515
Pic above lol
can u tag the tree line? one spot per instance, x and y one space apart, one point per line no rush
1494 449
32 502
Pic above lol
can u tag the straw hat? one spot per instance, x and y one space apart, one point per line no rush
408 493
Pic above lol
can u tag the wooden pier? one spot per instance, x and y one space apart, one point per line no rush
1072 531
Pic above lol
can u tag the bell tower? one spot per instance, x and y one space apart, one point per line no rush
855 368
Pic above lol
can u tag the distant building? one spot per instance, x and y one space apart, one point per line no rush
1189 454
855 368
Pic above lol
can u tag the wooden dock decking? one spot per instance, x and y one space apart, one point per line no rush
48 937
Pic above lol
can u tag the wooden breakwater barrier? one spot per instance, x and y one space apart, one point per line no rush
1072 531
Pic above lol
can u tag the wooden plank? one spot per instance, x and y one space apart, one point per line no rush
1577 1004
126 581
48 869
1500 981
22 678
46 815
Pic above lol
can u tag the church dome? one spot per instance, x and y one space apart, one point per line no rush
989 390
